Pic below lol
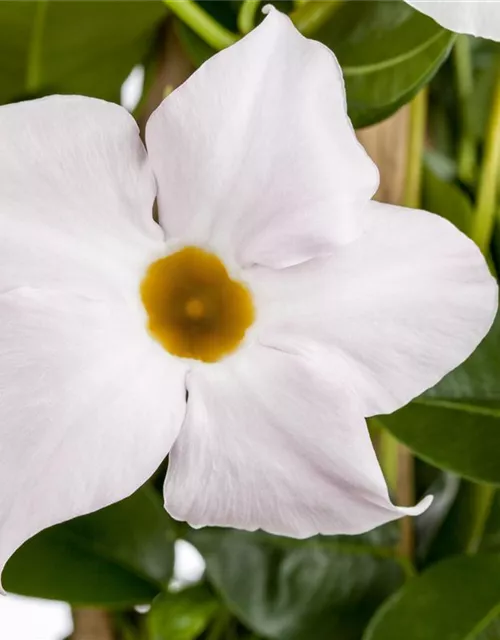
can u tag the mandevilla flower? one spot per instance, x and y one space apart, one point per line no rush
248 333
476 17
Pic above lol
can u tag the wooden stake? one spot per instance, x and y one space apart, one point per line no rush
92 624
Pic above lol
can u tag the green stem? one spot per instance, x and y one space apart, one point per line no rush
484 219
34 68
246 16
308 17
388 451
202 23
483 501
467 146
415 152
219 626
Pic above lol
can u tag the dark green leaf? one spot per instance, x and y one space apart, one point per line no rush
321 588
120 555
454 600
387 51
182 615
457 437
84 48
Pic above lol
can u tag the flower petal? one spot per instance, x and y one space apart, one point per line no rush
270 441
90 406
391 313
255 155
76 196
476 17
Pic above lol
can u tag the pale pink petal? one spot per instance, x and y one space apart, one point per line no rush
389 314
76 197
255 155
272 441
90 406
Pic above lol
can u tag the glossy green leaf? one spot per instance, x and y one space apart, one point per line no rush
85 48
457 437
387 51
453 600
446 199
120 555
322 588
181 615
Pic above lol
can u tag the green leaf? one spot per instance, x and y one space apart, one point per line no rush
387 52
453 600
85 48
182 615
446 199
322 588
457 437
121 555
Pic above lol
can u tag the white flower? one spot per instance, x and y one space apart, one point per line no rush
332 307
476 17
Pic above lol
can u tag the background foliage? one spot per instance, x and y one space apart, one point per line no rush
445 585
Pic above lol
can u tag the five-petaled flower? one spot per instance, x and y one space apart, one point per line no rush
476 17
248 333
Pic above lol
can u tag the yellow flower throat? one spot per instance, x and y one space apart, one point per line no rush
195 310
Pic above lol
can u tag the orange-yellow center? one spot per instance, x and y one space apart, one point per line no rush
195 310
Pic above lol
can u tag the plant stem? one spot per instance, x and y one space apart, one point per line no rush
483 501
202 23
415 150
308 17
484 218
34 68
467 146
388 454
246 15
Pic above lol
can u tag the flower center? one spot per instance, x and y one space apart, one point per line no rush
195 310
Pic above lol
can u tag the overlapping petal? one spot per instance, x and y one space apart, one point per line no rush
89 407
255 154
76 197
475 17
272 441
389 314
